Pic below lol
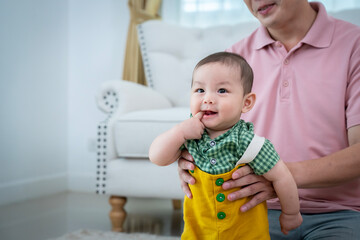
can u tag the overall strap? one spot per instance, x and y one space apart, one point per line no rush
252 150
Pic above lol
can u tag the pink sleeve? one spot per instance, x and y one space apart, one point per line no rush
353 89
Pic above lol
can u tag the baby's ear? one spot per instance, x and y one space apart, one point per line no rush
249 102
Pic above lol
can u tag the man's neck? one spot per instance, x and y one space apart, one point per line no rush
291 33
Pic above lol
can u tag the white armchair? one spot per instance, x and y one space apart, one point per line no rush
137 114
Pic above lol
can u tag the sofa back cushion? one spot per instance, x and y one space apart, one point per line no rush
170 53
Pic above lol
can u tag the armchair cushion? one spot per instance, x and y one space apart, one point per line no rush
135 131
141 178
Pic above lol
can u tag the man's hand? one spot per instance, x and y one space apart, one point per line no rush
251 185
185 163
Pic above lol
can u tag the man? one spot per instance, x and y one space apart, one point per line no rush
307 76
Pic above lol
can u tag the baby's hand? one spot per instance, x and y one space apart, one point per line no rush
289 222
193 128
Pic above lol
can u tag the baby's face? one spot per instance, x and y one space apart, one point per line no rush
218 92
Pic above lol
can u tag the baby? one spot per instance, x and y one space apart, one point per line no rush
220 143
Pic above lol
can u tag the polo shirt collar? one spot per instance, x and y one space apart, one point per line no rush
263 38
320 34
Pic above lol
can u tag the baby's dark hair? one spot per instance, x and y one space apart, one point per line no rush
232 60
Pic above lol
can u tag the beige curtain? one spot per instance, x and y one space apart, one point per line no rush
140 11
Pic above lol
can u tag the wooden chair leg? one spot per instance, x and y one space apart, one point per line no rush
117 213
176 204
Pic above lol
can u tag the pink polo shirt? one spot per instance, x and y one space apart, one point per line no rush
307 98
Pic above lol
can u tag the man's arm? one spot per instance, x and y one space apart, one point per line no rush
341 166
345 167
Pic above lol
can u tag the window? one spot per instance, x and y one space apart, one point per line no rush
203 13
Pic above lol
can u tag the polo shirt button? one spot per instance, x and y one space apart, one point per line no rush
213 161
286 61
221 215
220 197
286 83
219 181
278 44
212 143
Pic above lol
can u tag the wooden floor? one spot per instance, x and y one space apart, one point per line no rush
53 216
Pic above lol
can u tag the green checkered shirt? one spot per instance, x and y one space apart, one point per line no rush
220 155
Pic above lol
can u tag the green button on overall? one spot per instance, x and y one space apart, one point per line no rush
219 181
220 197
221 215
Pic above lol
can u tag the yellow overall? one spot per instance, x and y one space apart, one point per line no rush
209 215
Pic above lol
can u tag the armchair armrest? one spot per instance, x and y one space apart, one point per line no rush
116 98
119 96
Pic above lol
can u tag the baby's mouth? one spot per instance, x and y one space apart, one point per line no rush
209 113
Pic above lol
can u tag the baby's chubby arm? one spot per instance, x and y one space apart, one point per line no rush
165 149
286 189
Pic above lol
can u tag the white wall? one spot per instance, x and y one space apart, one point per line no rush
53 57
33 99
98 31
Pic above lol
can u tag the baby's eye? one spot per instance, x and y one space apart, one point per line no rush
199 90
222 90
